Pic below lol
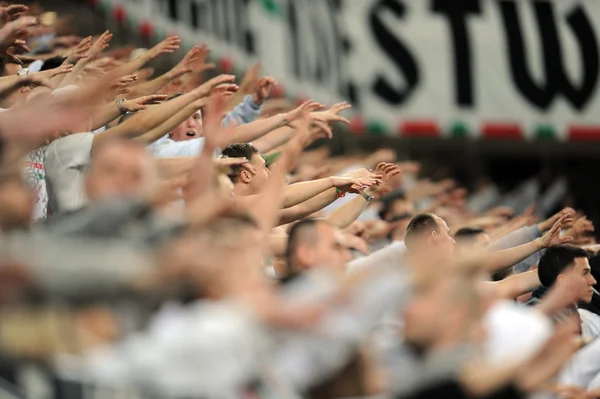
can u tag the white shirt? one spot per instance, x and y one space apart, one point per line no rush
590 324
583 367
167 148
66 162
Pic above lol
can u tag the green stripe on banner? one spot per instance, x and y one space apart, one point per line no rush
459 129
377 128
545 132
272 7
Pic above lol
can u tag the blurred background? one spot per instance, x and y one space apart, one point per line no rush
501 96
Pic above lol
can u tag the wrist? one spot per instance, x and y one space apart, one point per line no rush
539 244
257 100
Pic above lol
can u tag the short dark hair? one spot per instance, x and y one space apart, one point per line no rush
468 234
417 226
555 260
53 63
238 151
297 234
4 61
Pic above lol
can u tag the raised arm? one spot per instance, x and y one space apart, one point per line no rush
493 261
251 131
147 120
190 103
514 286
169 45
351 211
109 112
184 67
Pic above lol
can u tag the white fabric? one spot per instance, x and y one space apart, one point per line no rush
66 161
590 324
35 175
167 148
583 367
206 349
514 332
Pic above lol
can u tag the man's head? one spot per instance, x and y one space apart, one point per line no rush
471 239
443 312
313 243
192 128
119 168
426 233
248 179
395 204
557 260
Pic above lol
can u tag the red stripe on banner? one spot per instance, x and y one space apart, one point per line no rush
584 133
502 131
419 129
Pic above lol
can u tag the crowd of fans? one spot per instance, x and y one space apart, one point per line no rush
177 237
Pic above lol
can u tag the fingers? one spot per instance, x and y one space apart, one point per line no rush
324 129
152 99
169 45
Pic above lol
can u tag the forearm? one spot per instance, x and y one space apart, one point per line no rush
307 208
295 194
252 131
517 285
145 121
170 168
104 115
347 214
498 260
167 126
151 87
130 67
274 139
518 237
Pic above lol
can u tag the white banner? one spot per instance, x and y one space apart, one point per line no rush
526 67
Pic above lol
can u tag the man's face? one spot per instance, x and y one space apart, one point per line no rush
190 129
258 174
118 171
443 241
581 267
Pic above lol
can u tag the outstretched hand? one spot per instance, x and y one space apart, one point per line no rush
552 237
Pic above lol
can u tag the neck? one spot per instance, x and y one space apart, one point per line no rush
243 190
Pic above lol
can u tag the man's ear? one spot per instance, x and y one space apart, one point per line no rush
245 176
433 237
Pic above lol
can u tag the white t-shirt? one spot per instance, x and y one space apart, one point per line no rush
590 324
167 148
583 367
66 162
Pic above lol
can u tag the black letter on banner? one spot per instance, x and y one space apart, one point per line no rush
397 51
557 80
457 13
